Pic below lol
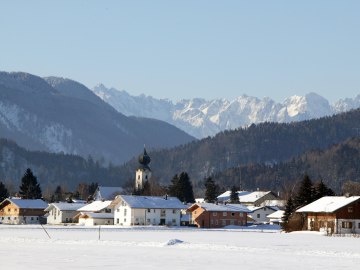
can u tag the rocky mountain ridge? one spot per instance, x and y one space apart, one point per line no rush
202 118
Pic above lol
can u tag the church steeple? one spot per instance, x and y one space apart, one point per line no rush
143 173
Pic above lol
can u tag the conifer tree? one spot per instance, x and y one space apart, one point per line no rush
181 188
289 209
3 192
305 194
58 194
30 188
211 191
234 196
321 190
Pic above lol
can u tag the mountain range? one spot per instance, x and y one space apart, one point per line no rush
61 115
202 118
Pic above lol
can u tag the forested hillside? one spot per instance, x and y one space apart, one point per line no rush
267 143
52 169
336 165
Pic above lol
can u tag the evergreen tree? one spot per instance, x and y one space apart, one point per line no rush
30 188
322 190
211 191
305 193
234 196
58 194
3 192
289 209
181 188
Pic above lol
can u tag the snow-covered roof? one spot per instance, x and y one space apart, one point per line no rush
98 215
276 215
107 193
64 206
328 204
28 204
244 196
212 207
255 208
95 206
152 202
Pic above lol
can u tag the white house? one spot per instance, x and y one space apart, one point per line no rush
93 219
147 210
59 213
249 198
96 213
260 214
276 217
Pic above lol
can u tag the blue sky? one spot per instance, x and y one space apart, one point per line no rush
189 48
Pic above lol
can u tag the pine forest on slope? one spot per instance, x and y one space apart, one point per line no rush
265 143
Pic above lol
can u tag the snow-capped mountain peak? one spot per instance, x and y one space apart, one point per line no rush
202 118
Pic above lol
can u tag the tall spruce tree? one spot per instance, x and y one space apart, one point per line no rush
30 188
3 192
211 190
234 196
305 194
181 188
289 209
321 190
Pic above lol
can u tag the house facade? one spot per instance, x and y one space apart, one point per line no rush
208 215
94 219
333 214
60 213
147 210
21 211
259 215
96 213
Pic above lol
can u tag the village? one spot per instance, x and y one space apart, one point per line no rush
329 214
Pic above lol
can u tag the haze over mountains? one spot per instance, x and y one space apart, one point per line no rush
60 115
201 118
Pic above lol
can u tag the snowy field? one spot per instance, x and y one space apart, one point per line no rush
73 247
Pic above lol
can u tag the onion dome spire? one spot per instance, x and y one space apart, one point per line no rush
144 159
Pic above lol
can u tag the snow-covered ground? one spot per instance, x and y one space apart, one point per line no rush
74 247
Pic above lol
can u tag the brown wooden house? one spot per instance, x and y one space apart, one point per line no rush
333 214
21 211
208 215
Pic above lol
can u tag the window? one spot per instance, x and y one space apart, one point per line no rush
124 219
214 214
350 209
174 211
195 212
174 221
32 218
125 212
240 214
216 222
15 210
14 218
224 222
212 222
358 225
148 221
66 220
346 224
146 177
118 210
9 209
149 210
258 215
232 222
233 214
107 210
117 221
163 212
224 214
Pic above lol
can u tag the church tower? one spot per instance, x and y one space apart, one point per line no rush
143 173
